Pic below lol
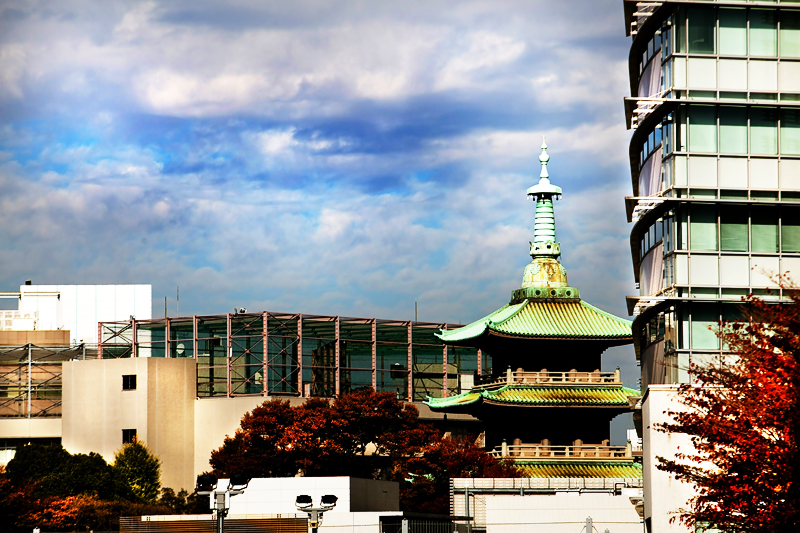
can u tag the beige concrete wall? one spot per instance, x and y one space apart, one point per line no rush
34 428
96 410
37 337
663 494
214 419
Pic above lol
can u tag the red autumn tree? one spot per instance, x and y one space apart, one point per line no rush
743 416
359 434
363 434
425 482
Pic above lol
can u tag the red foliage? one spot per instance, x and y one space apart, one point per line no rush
363 434
743 417
427 491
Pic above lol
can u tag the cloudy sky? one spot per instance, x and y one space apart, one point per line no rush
319 157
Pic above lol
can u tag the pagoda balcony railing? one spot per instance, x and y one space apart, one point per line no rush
553 378
587 452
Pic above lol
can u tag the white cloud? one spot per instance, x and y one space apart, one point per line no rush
274 142
486 50
605 143
12 67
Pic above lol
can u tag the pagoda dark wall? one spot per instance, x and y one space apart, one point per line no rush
554 355
561 425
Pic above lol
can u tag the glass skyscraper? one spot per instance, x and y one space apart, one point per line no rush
715 166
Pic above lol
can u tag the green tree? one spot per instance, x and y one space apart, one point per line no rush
56 472
140 469
34 461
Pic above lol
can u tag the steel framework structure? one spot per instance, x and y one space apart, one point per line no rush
30 378
301 355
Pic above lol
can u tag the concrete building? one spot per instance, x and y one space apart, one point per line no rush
52 324
75 308
715 168
182 384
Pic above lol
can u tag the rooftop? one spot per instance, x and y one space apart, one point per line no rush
565 318
541 395
579 469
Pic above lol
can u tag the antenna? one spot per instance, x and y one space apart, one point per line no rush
415 311
178 305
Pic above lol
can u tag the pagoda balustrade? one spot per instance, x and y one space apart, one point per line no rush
521 377
571 453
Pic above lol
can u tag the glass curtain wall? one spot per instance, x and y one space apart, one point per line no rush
728 134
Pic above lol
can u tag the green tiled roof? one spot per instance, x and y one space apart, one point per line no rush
538 395
568 318
579 469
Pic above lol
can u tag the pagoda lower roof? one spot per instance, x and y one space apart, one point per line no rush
539 396
579 469
561 318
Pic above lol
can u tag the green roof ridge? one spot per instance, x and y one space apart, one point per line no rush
494 395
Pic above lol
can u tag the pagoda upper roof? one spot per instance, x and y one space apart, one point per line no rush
579 469
539 396
546 318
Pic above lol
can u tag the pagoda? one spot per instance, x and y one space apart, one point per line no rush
546 404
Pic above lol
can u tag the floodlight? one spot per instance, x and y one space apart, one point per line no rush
329 500
303 501
206 483
238 481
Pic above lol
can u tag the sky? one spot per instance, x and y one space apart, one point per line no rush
338 157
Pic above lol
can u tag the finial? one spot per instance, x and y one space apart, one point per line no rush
544 188
544 157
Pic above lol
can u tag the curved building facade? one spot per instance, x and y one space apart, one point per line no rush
715 170
715 167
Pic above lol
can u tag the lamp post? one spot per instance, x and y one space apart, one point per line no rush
220 498
304 503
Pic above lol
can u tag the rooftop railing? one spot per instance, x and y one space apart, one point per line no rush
554 378
594 452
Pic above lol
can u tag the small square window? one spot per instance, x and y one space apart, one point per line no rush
129 382
128 436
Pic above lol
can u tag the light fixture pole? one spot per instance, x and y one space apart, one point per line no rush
304 503
220 498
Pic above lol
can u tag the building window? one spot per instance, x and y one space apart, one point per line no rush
129 382
702 26
128 436
763 33
703 227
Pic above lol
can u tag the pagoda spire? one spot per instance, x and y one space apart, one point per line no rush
544 229
544 277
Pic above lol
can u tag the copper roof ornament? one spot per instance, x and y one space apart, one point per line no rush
544 272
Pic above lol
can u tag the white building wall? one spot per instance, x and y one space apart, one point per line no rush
78 308
663 494
561 513
277 495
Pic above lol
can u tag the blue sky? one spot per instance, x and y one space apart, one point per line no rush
318 157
